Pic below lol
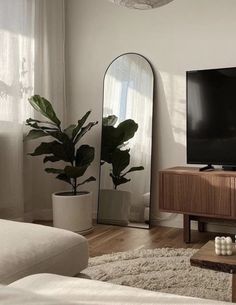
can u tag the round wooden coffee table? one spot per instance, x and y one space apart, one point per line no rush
206 258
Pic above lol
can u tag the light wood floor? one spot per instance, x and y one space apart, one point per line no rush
107 239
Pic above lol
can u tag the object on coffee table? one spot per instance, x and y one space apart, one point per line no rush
223 245
206 258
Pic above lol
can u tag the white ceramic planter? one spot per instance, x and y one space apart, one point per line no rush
72 212
114 207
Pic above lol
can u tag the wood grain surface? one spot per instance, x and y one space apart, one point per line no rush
108 239
206 258
187 190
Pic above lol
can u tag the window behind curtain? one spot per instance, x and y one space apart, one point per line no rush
16 85
16 59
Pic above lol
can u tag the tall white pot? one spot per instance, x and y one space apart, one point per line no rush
114 207
72 212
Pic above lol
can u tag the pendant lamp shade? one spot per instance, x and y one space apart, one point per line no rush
141 4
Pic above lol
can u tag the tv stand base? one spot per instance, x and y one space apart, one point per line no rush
209 167
202 221
229 168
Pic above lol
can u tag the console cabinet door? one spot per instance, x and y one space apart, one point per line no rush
195 194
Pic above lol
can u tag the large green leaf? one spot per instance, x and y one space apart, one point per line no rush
45 108
69 150
30 121
111 139
58 150
51 170
74 172
115 137
80 124
64 178
60 136
51 159
84 155
57 134
106 154
120 160
41 125
69 130
109 120
35 134
83 131
90 179
134 169
127 129
44 148
110 136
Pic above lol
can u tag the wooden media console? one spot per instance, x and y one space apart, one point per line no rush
198 195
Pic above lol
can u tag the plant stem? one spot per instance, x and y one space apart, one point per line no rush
73 163
75 186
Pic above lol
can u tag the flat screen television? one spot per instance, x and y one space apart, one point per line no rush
211 117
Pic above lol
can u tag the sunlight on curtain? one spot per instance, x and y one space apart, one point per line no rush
16 85
50 83
16 59
32 57
128 94
176 104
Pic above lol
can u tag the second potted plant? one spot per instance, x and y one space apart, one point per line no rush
72 210
114 204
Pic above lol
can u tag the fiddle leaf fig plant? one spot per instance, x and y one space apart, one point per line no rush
120 160
115 137
64 146
113 140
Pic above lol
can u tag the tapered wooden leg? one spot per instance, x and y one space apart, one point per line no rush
187 228
201 226
234 288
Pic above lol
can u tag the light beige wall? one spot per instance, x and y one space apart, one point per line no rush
183 35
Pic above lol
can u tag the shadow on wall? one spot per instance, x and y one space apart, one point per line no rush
18 88
169 131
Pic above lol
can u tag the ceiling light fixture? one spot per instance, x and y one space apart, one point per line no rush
141 4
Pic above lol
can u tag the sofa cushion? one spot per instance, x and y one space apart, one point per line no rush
87 292
29 248
14 296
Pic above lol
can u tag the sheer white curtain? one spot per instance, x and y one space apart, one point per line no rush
49 82
16 84
31 61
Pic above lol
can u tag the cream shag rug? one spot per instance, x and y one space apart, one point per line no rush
166 270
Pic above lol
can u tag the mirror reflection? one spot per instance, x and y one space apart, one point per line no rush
125 175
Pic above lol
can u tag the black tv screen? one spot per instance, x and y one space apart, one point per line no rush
211 116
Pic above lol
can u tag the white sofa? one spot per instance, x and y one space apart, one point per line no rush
50 289
27 249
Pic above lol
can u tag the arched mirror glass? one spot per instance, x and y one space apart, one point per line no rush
126 145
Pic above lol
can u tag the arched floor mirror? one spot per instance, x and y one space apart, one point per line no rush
126 144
